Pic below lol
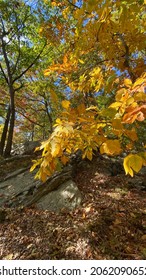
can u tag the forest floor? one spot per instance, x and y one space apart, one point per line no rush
109 224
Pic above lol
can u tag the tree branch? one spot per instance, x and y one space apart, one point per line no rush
20 28
19 50
127 57
30 120
49 116
21 86
75 6
6 79
23 72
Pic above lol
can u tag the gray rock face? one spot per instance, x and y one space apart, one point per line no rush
15 187
29 146
66 196
26 148
19 188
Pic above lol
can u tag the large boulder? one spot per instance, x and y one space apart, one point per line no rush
30 146
26 148
67 196
19 188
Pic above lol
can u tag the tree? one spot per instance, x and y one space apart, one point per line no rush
103 55
40 105
21 48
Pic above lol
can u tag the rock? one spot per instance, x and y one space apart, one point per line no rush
19 188
13 158
30 146
66 196
16 173
26 148
14 188
17 149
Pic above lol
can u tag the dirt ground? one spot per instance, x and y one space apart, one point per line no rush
109 224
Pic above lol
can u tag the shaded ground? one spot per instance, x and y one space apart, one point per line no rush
110 223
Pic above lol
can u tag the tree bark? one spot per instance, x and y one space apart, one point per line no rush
49 117
5 131
11 125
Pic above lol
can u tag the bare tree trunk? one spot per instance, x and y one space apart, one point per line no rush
32 133
5 131
11 125
49 117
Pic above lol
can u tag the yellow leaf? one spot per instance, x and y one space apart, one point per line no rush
65 104
111 147
89 155
44 144
116 124
115 105
120 93
140 96
33 167
139 81
58 121
65 12
37 176
81 61
95 72
37 149
130 101
128 83
36 163
132 163
109 112
45 162
47 72
92 108
104 15
41 30
56 148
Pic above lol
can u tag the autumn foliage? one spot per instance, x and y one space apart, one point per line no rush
102 64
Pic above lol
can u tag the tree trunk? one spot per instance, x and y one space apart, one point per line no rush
49 117
5 131
7 151
32 132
